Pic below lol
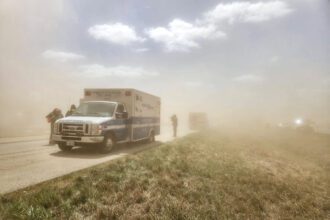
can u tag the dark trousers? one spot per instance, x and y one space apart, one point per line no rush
51 133
174 130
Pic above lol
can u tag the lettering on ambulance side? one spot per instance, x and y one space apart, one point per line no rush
113 124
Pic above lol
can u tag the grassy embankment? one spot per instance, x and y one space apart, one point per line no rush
202 176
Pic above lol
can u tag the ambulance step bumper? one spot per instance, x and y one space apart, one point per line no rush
82 139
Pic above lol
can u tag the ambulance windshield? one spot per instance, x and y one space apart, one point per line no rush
98 109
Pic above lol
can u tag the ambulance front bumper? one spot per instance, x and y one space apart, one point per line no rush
82 139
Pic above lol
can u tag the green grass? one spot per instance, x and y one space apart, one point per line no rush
203 176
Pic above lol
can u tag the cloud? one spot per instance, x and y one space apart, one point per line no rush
97 70
247 12
116 33
61 56
182 36
249 78
141 50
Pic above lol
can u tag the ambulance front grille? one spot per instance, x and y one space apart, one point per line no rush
71 129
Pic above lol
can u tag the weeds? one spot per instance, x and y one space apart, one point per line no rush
202 176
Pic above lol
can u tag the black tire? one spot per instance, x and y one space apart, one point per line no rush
108 144
64 147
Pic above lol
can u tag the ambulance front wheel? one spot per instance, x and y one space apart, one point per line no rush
108 144
64 147
152 137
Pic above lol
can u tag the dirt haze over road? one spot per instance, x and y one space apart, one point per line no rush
271 70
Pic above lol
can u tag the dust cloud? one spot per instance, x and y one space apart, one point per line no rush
231 94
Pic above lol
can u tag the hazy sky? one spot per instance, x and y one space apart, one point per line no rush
266 60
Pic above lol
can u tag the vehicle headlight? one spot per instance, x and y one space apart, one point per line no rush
96 129
56 128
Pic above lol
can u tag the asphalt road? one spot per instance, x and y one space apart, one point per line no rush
26 163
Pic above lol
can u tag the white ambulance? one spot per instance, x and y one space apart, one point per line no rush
106 117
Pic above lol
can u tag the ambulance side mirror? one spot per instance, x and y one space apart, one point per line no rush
123 115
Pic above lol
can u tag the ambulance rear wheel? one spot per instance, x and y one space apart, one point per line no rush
152 137
108 144
64 147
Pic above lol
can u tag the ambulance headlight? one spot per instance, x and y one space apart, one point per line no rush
56 128
96 129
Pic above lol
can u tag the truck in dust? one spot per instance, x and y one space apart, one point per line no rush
106 117
198 121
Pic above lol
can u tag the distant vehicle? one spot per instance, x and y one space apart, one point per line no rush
299 125
306 129
198 120
106 117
